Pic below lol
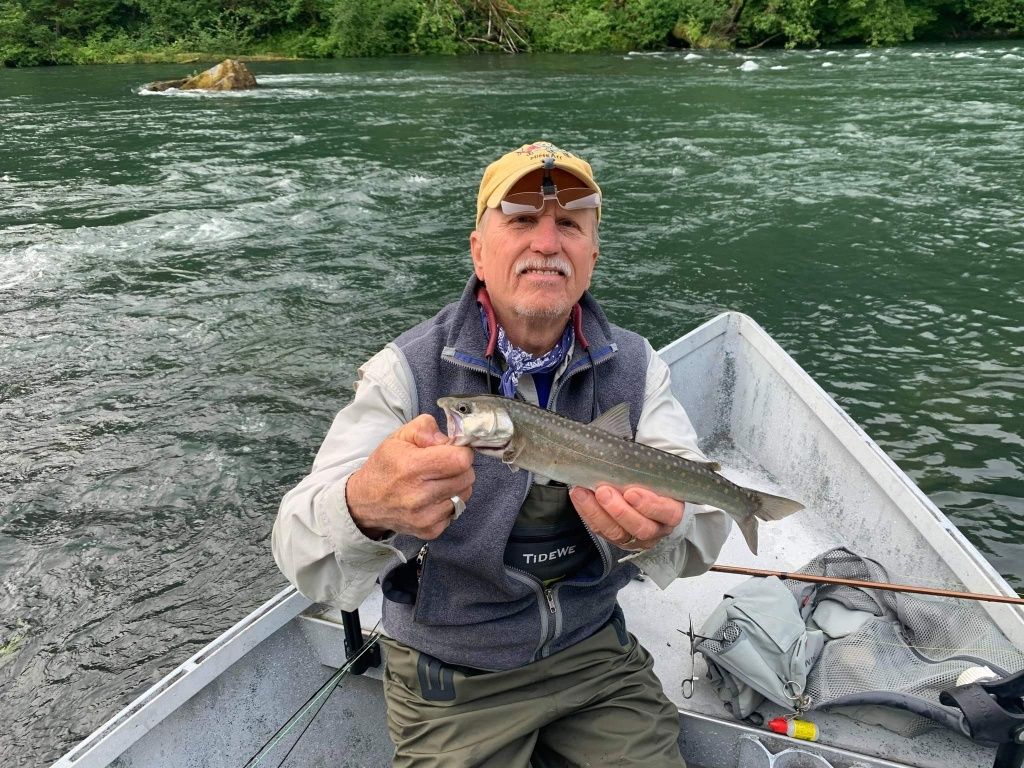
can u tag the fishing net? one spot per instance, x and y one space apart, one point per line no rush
908 649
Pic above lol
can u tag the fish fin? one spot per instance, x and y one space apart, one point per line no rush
714 466
748 527
511 454
616 421
775 507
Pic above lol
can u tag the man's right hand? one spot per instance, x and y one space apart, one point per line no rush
407 483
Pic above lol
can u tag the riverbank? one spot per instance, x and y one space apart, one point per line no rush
174 55
189 57
162 31
140 48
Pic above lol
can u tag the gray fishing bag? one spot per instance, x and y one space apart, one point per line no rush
882 657
759 647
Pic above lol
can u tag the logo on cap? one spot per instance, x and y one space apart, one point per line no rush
545 149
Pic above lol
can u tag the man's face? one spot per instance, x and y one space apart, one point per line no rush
536 265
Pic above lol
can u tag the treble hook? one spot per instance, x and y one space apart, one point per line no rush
691 636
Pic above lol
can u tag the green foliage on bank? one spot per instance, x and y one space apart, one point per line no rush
85 31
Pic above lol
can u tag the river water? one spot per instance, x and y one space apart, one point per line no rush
189 282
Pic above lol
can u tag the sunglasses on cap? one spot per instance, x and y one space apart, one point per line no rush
571 199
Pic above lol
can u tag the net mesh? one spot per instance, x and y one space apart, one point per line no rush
915 645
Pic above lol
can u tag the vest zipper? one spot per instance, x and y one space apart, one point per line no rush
550 619
421 556
556 614
546 624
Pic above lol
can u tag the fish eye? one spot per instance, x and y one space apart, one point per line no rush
462 408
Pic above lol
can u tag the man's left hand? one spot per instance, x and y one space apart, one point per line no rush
634 519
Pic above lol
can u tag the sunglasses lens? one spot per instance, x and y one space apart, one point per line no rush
523 202
572 199
576 198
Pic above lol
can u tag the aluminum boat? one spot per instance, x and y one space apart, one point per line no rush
769 424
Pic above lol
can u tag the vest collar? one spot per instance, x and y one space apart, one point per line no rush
467 344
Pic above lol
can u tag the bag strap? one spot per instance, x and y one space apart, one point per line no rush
992 708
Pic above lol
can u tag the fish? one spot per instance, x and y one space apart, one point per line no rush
601 453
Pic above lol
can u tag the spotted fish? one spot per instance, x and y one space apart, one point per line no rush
601 453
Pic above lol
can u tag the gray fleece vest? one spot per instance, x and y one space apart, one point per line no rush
461 603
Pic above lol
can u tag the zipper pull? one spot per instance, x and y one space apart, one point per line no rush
551 599
420 557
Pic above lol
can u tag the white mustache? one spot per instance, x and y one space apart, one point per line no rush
553 262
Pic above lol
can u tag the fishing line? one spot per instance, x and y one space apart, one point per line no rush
318 700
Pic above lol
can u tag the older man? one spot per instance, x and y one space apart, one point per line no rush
505 644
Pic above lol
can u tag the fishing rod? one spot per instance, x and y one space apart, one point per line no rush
815 579
315 703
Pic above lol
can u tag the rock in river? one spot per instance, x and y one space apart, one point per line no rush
229 75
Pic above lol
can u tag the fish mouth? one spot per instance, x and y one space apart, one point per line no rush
455 434
472 434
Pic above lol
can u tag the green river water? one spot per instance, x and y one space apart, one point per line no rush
189 282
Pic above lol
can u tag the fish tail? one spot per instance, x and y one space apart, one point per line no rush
775 507
763 506
748 527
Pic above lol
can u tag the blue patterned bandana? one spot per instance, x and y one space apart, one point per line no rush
520 361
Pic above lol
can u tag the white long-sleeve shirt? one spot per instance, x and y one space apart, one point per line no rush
323 553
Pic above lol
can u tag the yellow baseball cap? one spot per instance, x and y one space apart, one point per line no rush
503 173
